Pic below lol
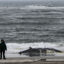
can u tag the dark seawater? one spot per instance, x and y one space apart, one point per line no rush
31 23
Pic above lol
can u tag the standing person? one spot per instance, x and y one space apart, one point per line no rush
3 48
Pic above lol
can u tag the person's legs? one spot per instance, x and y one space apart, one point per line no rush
4 55
1 55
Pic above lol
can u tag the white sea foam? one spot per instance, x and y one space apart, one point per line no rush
41 7
14 48
32 7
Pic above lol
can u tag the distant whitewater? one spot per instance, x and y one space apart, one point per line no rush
31 25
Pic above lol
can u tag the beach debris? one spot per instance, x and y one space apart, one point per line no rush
39 51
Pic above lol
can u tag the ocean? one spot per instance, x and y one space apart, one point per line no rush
24 25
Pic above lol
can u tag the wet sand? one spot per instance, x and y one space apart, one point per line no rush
33 60
14 61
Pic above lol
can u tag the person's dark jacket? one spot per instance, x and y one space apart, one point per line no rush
3 46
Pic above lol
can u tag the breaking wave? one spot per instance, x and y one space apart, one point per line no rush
32 7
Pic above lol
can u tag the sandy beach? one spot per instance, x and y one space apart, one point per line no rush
26 61
33 60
